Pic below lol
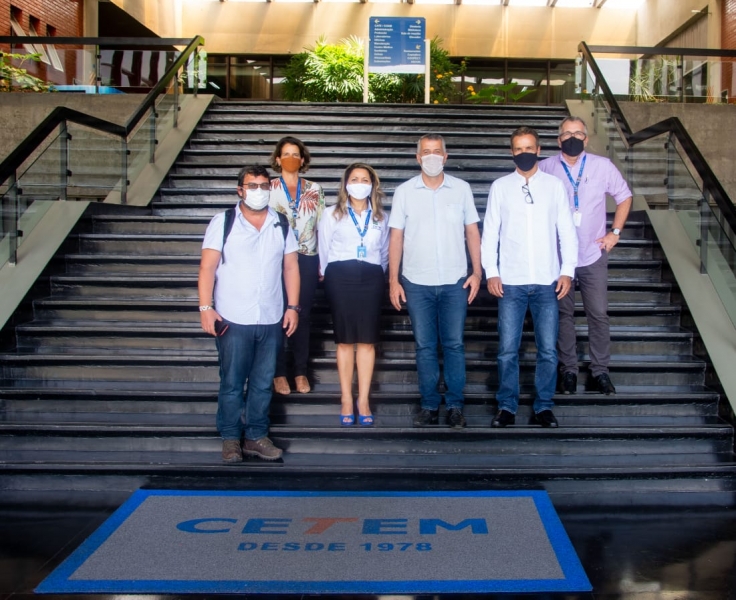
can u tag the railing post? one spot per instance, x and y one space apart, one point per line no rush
124 171
152 126
196 71
670 179
176 100
681 73
630 167
704 218
63 160
11 220
98 69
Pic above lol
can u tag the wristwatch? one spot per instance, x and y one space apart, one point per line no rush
616 231
295 307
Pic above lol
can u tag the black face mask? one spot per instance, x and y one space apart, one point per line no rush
526 160
572 146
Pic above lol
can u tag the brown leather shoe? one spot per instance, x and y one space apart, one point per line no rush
302 385
281 386
262 448
231 451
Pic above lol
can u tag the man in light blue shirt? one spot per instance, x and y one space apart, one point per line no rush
433 217
527 213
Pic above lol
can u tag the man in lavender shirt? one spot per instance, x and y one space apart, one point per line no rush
588 179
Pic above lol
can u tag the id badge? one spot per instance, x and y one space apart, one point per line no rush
362 252
577 218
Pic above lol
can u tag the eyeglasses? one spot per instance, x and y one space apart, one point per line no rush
580 135
527 194
254 186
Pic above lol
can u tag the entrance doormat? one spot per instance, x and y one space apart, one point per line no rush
173 542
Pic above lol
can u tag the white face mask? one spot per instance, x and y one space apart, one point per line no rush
257 199
359 191
432 164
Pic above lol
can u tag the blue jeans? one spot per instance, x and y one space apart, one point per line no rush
438 310
542 302
247 355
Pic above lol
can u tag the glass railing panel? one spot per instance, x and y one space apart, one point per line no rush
95 163
8 222
719 257
134 71
665 78
166 110
140 147
66 68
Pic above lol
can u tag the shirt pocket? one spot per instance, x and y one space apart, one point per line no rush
454 212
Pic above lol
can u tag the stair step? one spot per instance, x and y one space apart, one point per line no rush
481 373
121 337
113 385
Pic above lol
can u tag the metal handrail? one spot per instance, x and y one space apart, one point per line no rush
651 50
63 114
60 116
105 42
672 125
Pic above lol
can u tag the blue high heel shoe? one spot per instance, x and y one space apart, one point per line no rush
347 420
365 420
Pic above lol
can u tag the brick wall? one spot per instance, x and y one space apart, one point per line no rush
61 18
728 42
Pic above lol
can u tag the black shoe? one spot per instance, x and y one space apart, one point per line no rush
568 383
544 418
455 418
426 417
503 418
603 384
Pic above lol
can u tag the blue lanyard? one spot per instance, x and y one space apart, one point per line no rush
293 205
355 221
575 184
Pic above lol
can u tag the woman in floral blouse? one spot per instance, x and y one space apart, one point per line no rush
302 201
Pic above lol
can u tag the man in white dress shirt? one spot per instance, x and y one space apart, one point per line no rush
241 302
527 213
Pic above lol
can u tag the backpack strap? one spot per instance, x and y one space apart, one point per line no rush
230 220
284 223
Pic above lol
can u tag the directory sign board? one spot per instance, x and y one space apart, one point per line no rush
397 45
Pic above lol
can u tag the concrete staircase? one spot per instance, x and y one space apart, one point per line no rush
111 384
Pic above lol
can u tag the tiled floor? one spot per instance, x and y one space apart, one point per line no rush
638 554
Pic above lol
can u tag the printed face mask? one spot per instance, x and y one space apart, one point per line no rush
572 146
525 161
432 164
359 191
290 164
257 199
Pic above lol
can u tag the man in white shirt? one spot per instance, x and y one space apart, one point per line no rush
433 216
241 302
527 212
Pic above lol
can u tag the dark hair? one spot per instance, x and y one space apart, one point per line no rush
377 194
254 170
294 142
524 131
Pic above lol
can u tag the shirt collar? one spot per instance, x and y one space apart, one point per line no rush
577 163
520 177
446 182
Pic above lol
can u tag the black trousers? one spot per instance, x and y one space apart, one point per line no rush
298 343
